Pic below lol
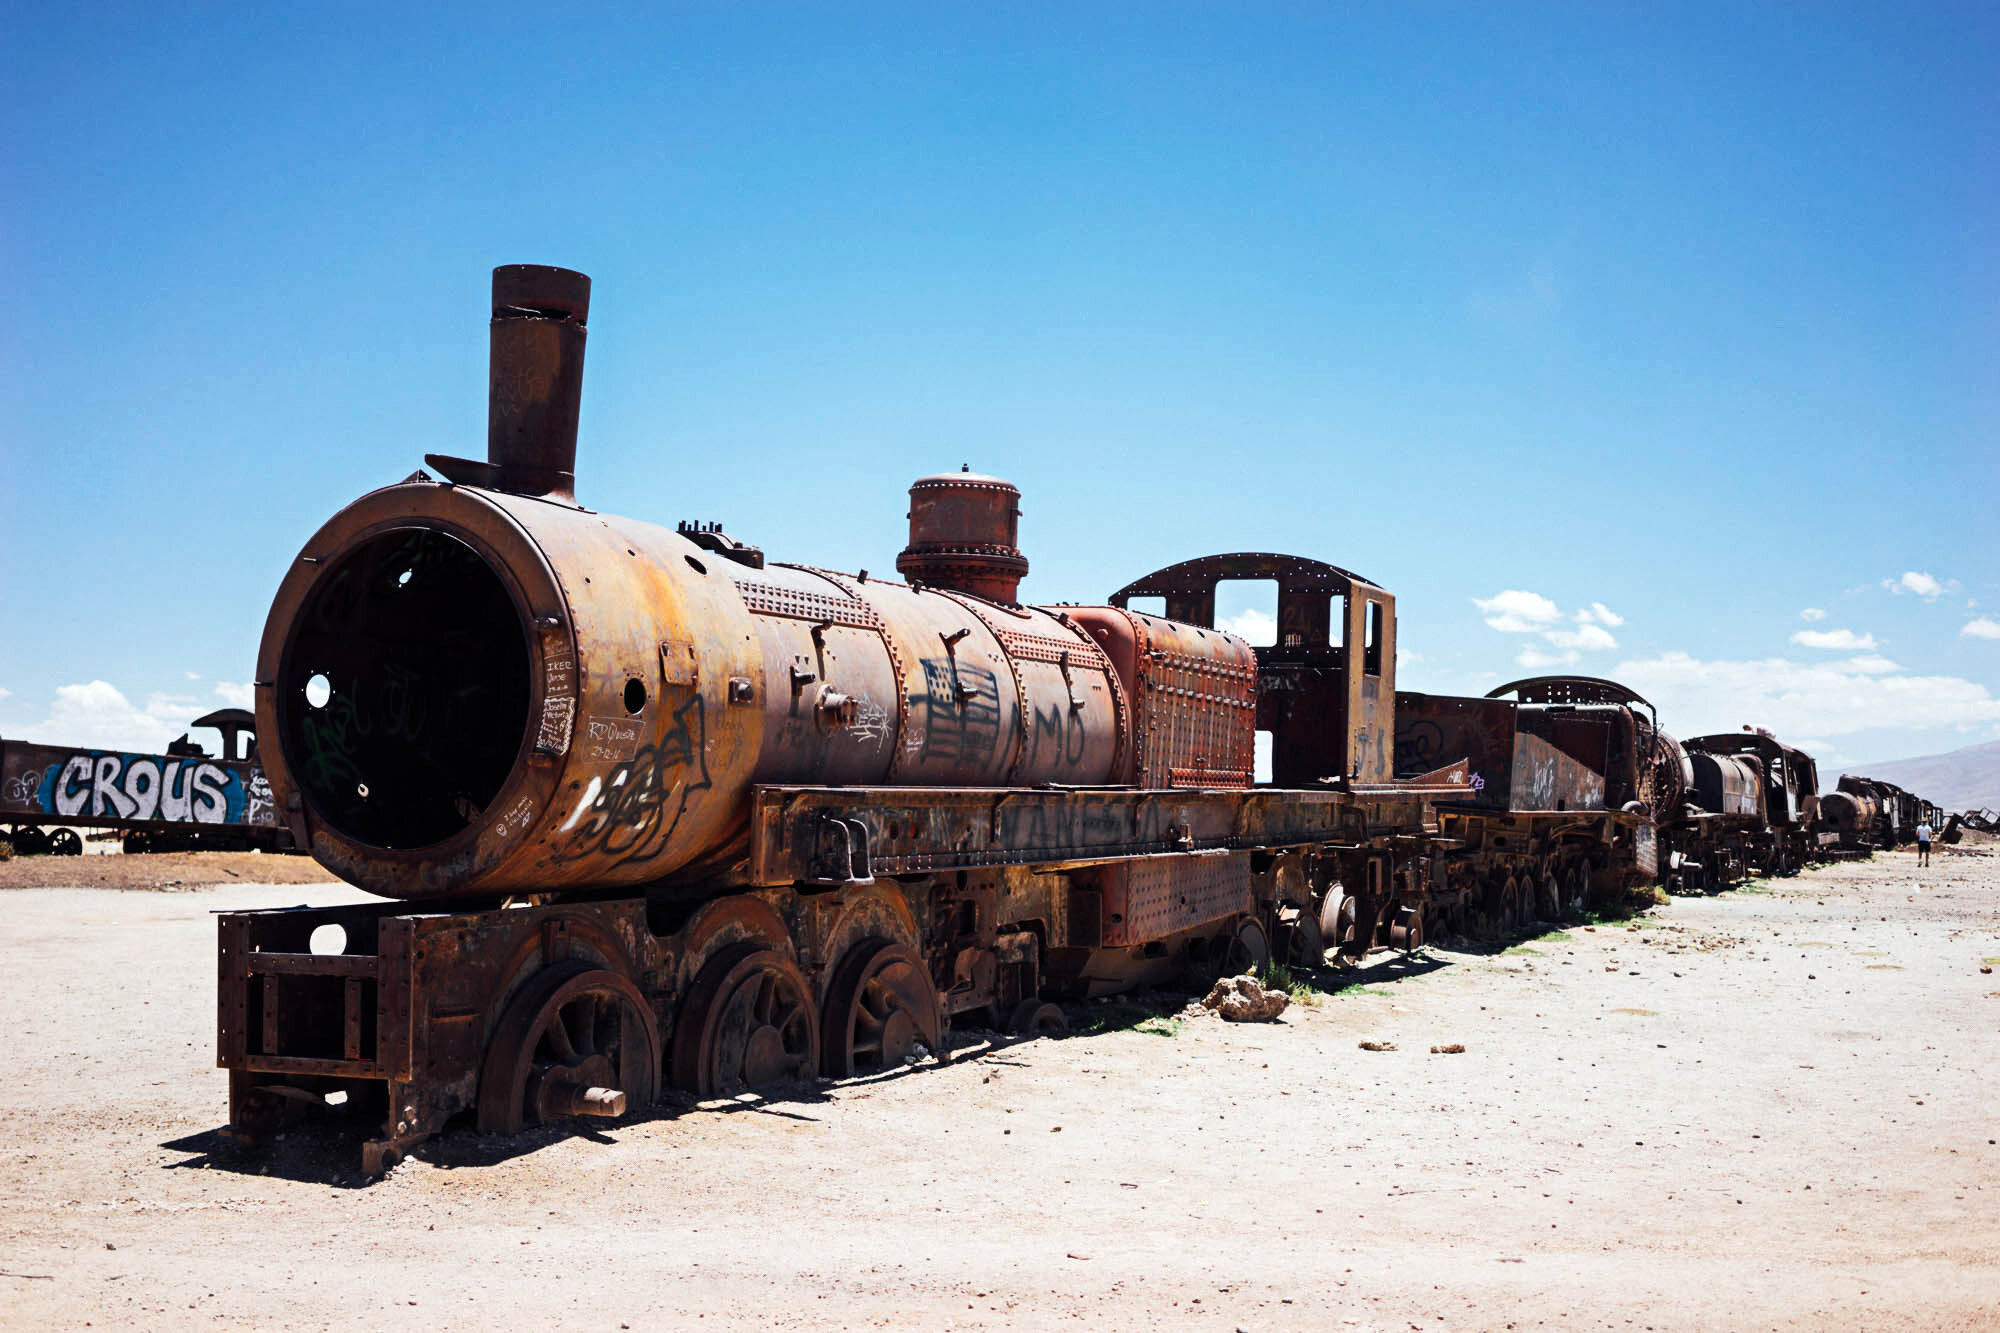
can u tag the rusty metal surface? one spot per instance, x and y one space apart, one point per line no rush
1791 779
1326 688
1513 769
1160 896
964 530
1192 695
1728 785
918 830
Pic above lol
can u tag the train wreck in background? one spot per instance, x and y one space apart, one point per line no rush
183 800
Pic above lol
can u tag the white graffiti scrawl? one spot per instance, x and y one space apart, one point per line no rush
125 786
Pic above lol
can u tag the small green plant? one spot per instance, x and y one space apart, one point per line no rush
1161 1025
1279 976
1522 948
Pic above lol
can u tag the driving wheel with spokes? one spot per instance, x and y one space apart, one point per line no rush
748 1023
880 1007
578 1040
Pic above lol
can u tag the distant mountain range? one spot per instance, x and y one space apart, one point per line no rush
1962 780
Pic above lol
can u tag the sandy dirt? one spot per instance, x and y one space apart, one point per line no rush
1767 1109
165 871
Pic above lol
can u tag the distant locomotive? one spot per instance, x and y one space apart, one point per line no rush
183 800
674 813
1864 814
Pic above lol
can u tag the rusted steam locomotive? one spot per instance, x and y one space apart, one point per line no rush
661 810
673 811
1864 814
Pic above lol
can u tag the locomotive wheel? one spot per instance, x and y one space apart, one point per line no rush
880 1006
1550 903
1249 949
747 1023
1336 919
1299 935
30 842
136 844
65 842
1510 903
1407 932
1032 1018
1579 886
578 1040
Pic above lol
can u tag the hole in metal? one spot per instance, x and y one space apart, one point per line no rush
432 682
635 695
328 939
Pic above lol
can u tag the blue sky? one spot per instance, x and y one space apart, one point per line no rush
1687 313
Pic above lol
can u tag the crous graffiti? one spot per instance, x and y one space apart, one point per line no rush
632 814
135 786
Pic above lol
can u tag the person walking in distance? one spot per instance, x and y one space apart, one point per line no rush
1923 842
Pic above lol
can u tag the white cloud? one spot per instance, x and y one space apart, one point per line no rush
1920 583
1256 627
5 692
1812 613
1871 664
1836 640
1516 612
194 675
1986 627
1535 659
236 696
1591 638
1822 699
1406 658
97 716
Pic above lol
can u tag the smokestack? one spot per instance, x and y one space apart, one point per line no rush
536 378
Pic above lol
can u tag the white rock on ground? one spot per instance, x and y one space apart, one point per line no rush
1242 1000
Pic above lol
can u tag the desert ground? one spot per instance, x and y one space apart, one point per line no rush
1771 1108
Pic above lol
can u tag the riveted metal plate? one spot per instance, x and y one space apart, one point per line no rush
1154 898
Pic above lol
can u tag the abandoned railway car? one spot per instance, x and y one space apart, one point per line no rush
643 807
184 800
